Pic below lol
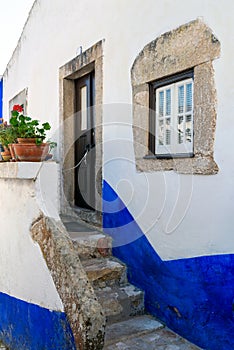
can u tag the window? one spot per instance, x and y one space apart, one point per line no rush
171 123
20 99
176 79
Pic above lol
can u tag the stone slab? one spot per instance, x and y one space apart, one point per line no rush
125 330
24 170
85 236
120 303
104 271
144 333
75 226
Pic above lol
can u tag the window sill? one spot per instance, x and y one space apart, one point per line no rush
197 165
168 156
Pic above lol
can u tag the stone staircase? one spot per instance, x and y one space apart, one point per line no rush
127 325
119 299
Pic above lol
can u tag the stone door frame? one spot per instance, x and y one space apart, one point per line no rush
88 61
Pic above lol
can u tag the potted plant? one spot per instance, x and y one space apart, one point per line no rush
27 129
30 134
7 137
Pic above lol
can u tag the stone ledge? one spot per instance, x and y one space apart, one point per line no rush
198 165
23 170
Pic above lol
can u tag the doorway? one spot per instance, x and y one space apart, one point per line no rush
76 195
85 142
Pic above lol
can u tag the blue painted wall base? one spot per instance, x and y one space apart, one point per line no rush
25 326
193 297
1 95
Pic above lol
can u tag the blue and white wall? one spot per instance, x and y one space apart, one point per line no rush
175 232
193 296
1 91
32 313
42 304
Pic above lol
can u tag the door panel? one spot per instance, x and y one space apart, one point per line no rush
85 143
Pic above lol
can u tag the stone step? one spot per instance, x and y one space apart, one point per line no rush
72 224
136 326
120 303
91 244
144 333
104 272
84 215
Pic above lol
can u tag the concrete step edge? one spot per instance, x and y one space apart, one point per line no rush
136 326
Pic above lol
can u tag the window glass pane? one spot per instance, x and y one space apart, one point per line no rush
188 128
83 94
189 97
174 117
180 130
168 131
168 102
161 132
181 99
161 103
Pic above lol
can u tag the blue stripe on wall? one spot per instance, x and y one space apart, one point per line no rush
1 92
194 297
25 326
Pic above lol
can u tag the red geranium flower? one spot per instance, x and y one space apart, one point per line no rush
18 108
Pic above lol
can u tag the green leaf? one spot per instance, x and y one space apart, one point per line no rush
14 121
46 126
35 122
14 113
38 141
22 118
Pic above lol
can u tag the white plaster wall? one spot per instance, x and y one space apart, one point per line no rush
23 271
203 218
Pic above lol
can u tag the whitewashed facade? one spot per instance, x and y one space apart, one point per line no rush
184 218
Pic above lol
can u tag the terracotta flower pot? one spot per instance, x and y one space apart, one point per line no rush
26 140
30 152
6 155
12 152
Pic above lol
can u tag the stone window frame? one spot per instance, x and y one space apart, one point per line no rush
88 61
190 46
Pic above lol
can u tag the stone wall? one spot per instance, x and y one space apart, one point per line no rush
81 306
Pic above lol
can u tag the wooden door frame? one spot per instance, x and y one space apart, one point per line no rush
90 60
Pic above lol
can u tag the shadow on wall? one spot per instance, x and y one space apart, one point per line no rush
193 297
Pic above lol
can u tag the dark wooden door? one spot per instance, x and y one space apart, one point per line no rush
85 142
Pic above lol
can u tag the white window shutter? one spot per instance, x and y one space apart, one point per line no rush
163 120
174 119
